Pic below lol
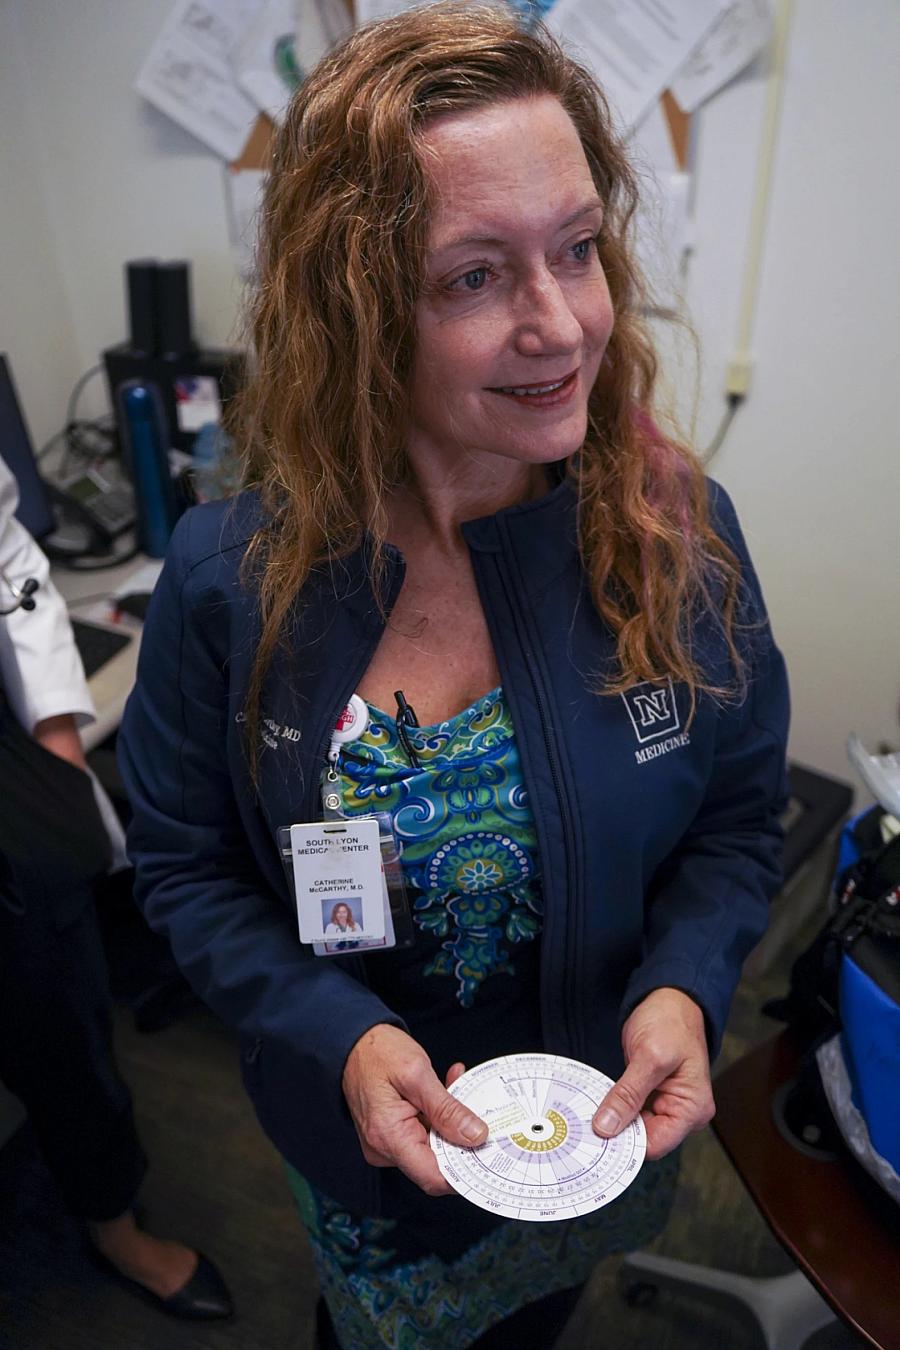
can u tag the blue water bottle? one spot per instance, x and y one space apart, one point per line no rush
146 435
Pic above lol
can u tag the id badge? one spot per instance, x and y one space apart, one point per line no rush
338 886
398 923
330 910
345 943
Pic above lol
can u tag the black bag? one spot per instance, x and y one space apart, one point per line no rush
865 924
845 998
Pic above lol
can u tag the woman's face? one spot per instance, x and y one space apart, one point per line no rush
515 316
341 915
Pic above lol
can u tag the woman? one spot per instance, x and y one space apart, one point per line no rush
459 493
341 921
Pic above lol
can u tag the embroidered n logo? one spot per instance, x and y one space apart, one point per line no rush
652 710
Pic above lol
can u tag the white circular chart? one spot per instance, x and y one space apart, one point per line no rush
541 1160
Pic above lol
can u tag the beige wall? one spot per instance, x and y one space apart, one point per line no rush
35 319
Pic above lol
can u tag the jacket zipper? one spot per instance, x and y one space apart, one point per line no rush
349 688
571 989
371 1203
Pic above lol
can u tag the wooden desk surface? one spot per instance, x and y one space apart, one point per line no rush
836 1223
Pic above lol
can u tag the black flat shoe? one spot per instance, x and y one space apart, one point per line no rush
205 1297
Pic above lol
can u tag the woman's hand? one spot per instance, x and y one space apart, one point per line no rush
394 1096
667 1078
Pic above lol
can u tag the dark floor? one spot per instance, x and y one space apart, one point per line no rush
217 1183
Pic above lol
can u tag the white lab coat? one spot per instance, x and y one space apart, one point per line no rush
40 669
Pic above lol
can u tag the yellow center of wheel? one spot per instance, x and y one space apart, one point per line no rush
543 1145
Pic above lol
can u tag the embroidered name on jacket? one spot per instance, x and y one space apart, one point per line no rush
272 732
654 716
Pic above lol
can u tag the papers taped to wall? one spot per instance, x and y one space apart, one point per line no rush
207 55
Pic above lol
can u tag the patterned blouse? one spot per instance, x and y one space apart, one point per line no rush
469 857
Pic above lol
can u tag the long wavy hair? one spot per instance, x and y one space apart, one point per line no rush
323 419
335 909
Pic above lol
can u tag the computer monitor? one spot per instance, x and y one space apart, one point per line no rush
34 509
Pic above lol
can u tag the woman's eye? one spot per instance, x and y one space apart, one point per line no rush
582 250
470 281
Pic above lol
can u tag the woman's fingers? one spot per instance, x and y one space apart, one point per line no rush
399 1139
416 1159
373 1156
452 1120
395 1096
664 1133
669 1117
667 1077
624 1100
406 1147
455 1071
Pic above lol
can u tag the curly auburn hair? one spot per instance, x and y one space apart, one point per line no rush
322 422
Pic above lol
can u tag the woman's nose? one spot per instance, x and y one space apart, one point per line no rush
547 326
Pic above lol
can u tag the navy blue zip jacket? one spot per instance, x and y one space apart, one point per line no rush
659 842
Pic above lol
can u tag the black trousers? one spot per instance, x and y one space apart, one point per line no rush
56 1049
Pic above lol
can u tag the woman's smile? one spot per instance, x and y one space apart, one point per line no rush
550 394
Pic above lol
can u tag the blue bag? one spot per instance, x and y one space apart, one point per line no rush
864 937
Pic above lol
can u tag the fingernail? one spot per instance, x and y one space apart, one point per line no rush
607 1120
472 1130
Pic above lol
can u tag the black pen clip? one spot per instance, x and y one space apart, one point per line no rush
405 719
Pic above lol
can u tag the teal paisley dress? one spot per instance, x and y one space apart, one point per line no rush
439 1273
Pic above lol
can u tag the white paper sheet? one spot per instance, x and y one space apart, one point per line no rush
731 44
188 73
633 47
320 25
258 67
215 25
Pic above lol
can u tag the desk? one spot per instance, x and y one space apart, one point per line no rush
112 684
831 1218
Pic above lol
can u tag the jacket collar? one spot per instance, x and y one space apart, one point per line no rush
542 533
551 513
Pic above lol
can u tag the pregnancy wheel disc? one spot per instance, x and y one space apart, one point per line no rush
541 1159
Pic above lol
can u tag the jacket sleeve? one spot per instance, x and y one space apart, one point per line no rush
709 901
40 668
197 879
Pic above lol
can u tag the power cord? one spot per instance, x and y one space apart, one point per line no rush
87 443
85 562
85 440
732 403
